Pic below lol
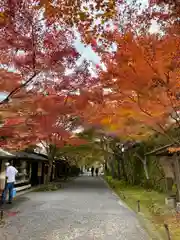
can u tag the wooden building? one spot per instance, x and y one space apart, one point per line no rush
32 169
169 158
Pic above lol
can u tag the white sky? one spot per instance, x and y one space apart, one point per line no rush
87 52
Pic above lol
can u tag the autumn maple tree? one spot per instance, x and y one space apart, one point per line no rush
143 77
48 122
141 81
136 94
172 7
34 55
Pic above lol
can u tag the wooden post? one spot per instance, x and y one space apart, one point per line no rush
2 214
138 203
2 175
167 231
39 172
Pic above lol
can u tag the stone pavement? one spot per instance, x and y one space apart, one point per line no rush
85 209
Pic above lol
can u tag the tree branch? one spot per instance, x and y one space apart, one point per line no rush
158 124
15 90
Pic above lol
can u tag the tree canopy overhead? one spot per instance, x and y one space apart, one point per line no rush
135 94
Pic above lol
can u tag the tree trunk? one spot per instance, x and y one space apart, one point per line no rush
48 178
177 175
118 167
112 168
56 172
66 172
123 169
105 165
144 162
145 168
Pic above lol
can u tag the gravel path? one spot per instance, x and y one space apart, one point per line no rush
84 210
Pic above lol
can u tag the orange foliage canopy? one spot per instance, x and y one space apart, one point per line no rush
143 78
43 119
32 50
34 56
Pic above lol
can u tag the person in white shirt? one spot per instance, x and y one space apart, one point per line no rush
11 173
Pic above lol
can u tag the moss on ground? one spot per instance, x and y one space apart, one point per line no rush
48 187
152 206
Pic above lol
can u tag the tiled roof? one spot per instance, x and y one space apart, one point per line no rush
29 156
4 153
33 156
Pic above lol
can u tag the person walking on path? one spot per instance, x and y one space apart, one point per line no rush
92 171
11 173
97 171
